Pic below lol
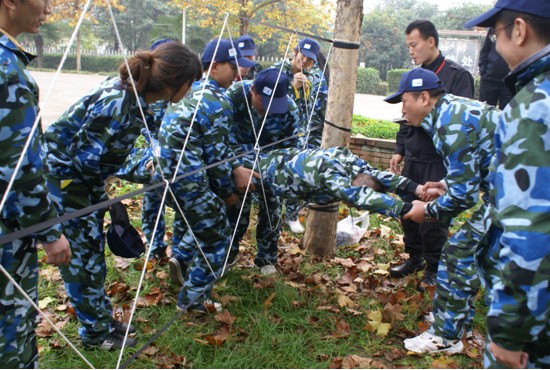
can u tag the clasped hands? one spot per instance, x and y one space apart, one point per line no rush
426 193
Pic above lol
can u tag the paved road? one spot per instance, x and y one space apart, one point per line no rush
69 87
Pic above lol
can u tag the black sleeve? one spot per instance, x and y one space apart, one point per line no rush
400 140
484 53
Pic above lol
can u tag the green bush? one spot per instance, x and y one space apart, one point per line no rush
367 81
382 88
89 63
375 128
393 77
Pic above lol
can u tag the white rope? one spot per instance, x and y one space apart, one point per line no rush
37 122
18 287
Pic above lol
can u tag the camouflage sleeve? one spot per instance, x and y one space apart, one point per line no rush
520 310
458 143
293 130
28 202
234 95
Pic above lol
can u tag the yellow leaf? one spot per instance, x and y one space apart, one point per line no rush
43 303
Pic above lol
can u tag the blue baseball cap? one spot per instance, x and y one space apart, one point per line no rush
246 46
418 79
159 42
226 52
271 83
540 8
309 47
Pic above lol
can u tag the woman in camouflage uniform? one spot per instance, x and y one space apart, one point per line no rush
89 143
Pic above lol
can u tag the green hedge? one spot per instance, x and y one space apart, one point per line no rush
393 76
374 128
367 81
89 63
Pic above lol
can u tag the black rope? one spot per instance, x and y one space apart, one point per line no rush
345 129
342 44
327 208
84 211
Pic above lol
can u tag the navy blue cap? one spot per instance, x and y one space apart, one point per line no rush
159 42
540 8
270 82
418 79
309 47
226 52
246 46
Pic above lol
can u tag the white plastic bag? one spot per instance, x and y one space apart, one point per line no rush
347 231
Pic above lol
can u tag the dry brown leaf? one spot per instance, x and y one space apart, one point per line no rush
269 301
121 263
444 363
344 301
358 362
342 329
225 317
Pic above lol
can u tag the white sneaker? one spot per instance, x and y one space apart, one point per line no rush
268 270
429 343
295 226
429 318
207 306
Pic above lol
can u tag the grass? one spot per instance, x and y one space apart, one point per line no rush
313 314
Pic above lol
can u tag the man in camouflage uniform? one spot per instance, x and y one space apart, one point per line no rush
138 168
324 176
300 90
27 201
516 267
276 128
462 131
197 130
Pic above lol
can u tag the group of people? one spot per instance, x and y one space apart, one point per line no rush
221 128
500 157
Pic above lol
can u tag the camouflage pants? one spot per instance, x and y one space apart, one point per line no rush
292 208
18 318
457 279
84 277
268 226
208 221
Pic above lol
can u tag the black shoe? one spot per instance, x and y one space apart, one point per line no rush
406 268
428 280
121 327
113 341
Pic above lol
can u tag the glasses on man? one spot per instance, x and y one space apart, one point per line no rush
496 31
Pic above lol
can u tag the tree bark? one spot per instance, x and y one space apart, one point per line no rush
320 235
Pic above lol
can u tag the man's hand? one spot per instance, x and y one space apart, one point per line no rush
231 200
241 176
433 190
416 213
511 359
59 251
149 166
395 161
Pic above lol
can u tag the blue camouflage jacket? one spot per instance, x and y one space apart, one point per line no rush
520 307
201 122
28 202
462 131
323 176
92 139
247 124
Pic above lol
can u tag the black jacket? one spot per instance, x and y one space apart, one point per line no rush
413 142
491 65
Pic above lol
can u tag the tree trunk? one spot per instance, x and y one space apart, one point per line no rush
39 43
78 67
320 236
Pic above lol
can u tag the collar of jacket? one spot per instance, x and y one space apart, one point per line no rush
528 69
11 43
433 66
428 121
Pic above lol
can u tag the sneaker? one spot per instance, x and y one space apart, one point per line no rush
177 270
430 343
268 270
113 341
207 306
295 226
429 318
121 327
428 280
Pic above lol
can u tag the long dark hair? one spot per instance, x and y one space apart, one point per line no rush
171 64
322 61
